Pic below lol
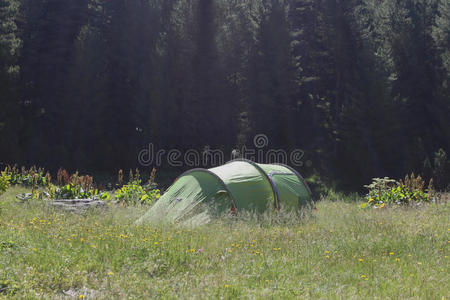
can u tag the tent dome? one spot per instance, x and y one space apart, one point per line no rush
238 185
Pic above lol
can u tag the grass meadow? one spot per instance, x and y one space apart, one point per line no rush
338 251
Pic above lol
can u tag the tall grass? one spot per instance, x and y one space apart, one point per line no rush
336 251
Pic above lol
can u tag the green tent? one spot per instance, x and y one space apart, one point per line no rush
238 185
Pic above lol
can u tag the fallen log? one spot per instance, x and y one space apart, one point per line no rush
77 204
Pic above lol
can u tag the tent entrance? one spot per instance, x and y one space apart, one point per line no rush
289 190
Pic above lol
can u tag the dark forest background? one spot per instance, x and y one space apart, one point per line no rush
361 85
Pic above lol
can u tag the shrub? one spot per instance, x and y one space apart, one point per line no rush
4 181
387 191
33 177
73 187
134 193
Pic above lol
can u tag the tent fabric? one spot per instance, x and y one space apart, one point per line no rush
199 194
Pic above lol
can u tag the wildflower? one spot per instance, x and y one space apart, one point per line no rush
276 249
34 249
391 253
326 251
419 263
81 297
363 276
227 286
361 260
252 245
397 259
327 257
82 240
155 243
267 280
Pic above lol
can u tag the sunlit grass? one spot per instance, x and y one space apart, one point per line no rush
338 251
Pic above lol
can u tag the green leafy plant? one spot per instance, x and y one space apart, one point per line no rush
33 177
4 181
134 193
73 187
387 191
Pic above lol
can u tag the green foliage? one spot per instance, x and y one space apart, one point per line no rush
342 80
8 288
386 191
4 181
33 177
71 191
135 193
73 187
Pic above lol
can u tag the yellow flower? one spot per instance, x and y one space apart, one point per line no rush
397 259
155 243
391 253
326 251
110 273
419 263
227 286
361 260
363 276
276 249
267 280
328 257
81 297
